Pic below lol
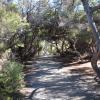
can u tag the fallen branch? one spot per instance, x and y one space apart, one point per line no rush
31 95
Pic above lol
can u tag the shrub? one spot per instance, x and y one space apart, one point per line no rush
11 77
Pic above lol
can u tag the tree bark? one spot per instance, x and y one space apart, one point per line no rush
89 13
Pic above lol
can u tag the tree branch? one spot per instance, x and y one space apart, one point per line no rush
95 8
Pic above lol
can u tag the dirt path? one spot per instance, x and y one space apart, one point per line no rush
68 83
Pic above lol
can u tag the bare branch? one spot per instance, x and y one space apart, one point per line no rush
95 8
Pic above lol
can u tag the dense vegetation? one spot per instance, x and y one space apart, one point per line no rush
31 28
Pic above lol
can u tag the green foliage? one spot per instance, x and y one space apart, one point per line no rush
85 36
11 77
9 20
2 47
12 7
1 13
48 23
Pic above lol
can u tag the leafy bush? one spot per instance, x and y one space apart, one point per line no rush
11 77
2 47
84 42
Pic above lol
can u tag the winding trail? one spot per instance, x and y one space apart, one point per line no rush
57 81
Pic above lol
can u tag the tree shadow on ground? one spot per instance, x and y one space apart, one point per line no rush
73 87
76 84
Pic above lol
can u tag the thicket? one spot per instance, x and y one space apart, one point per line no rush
24 27
11 78
66 31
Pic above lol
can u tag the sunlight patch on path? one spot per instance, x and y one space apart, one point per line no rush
67 83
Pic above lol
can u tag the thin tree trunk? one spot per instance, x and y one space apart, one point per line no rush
62 48
96 35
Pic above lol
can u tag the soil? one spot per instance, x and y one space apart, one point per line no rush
55 80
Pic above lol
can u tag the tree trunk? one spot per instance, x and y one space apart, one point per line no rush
96 36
